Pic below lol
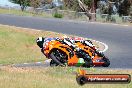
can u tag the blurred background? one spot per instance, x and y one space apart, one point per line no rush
115 11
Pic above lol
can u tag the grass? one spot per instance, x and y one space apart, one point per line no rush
58 15
24 13
57 77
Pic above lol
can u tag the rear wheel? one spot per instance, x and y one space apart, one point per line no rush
106 62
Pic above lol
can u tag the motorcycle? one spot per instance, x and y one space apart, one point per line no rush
62 54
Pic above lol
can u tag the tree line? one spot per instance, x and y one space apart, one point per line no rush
121 7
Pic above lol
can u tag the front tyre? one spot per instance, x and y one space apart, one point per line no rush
56 59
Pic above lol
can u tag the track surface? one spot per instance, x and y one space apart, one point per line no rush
118 38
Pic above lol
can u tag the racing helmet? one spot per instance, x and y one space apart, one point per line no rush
40 41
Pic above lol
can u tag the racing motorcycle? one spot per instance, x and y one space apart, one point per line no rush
62 54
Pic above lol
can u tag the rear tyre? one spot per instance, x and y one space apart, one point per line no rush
106 62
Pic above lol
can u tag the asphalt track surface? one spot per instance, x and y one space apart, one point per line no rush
118 38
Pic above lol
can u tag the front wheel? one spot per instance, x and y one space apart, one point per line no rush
57 57
106 62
